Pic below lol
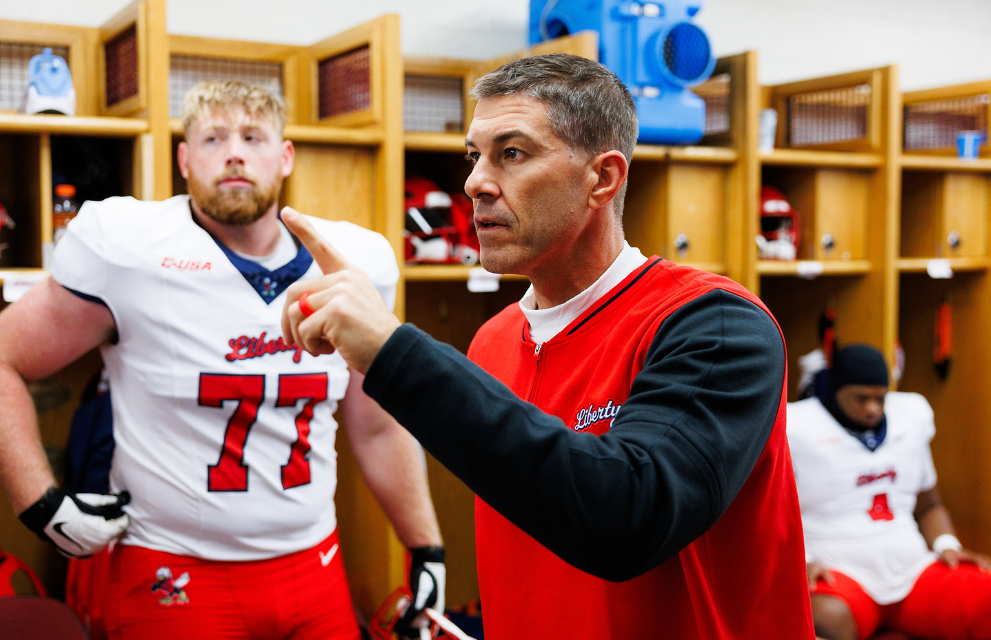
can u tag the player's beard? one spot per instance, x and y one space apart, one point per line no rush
238 206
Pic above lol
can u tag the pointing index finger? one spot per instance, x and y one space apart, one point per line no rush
327 257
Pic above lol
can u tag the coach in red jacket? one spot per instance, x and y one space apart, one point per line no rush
623 426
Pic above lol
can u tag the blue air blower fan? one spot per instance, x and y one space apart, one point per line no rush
654 49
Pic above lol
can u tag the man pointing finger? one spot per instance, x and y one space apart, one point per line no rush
677 502
341 309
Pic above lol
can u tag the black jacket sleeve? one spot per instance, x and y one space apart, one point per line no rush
698 417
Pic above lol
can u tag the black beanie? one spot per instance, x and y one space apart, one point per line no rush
857 364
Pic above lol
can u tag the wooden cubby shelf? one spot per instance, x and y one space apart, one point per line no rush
445 272
813 268
650 152
922 265
945 163
715 155
365 137
334 135
447 142
75 125
944 214
943 220
810 158
712 267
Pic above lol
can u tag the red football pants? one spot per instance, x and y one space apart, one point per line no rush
86 584
944 604
302 596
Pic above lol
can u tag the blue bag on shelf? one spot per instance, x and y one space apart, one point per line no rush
50 88
653 47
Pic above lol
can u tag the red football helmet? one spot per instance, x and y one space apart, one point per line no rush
439 227
780 226
391 610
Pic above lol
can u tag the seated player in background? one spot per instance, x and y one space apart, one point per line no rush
880 545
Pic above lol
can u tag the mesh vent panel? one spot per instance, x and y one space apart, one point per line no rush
186 71
121 53
433 104
935 124
344 83
823 117
716 93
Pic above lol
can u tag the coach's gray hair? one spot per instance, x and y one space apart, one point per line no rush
588 107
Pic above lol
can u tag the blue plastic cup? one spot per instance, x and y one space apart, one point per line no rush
968 143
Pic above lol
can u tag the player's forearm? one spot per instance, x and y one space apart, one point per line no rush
392 463
393 466
24 470
932 517
935 522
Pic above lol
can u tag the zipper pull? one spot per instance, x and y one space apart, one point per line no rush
536 351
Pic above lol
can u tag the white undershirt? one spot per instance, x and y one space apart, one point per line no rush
547 323
284 252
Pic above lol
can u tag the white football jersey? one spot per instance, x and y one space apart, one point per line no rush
858 504
224 436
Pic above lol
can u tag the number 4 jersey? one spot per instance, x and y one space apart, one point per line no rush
224 434
858 504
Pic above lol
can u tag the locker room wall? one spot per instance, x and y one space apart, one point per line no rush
934 44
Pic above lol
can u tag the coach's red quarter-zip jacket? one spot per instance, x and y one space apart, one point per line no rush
634 479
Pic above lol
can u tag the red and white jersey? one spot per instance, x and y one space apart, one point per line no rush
224 435
858 504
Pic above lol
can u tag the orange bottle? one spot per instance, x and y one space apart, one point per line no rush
65 209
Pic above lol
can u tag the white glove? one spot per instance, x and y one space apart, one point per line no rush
427 578
78 524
